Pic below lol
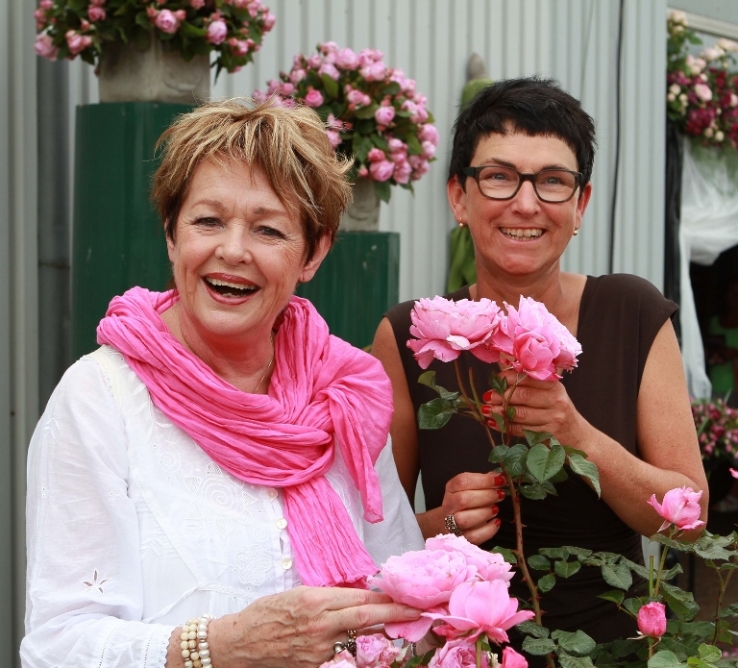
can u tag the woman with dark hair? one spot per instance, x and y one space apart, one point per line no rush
519 177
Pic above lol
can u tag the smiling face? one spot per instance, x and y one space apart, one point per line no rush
522 237
237 255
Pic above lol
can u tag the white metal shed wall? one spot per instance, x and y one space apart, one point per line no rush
574 41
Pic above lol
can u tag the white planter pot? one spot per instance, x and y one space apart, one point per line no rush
128 74
363 214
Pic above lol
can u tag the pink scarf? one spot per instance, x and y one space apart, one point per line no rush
323 393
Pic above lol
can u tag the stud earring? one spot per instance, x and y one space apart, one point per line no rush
576 231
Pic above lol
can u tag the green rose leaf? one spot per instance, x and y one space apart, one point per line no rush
533 492
546 583
497 383
538 646
617 575
382 188
565 569
515 459
614 595
539 563
664 659
330 85
710 653
681 602
568 661
587 470
498 454
532 629
428 378
544 463
435 414
577 643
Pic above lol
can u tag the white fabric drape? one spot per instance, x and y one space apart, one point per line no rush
709 225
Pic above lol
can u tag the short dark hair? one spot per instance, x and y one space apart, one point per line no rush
531 105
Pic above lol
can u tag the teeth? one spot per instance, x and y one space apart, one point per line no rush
226 287
524 233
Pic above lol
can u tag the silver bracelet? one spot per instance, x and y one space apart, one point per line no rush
194 643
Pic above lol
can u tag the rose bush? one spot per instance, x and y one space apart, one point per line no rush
373 113
234 29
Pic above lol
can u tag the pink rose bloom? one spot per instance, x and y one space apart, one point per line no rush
330 70
241 48
489 565
511 659
402 172
197 4
374 71
652 619
538 343
397 145
287 88
315 61
734 473
703 92
297 75
328 47
457 654
384 115
268 21
334 137
341 660
429 149
96 13
382 170
217 31
375 651
44 47
429 133
48 4
363 172
444 328
358 99
77 42
681 507
313 98
376 155
346 59
480 607
167 22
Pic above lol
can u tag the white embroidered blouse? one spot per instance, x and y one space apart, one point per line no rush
133 529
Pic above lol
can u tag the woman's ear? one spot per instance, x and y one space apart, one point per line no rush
311 266
457 200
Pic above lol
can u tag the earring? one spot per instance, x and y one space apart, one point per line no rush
576 231
460 224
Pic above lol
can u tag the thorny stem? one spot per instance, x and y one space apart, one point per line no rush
719 603
473 405
661 571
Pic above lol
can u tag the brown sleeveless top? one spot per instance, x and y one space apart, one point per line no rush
619 318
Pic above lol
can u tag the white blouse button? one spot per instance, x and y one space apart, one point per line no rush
286 563
272 493
281 523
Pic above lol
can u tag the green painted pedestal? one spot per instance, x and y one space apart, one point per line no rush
118 240
357 282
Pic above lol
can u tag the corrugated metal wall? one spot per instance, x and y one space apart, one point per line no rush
574 41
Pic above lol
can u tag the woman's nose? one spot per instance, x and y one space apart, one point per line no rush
234 246
526 200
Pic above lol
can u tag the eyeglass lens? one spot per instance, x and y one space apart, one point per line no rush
552 185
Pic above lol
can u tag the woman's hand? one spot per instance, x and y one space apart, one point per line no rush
542 406
299 627
472 499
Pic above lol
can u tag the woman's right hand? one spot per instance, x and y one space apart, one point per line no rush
298 628
472 499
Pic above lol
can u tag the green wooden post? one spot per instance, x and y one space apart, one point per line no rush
118 240
357 282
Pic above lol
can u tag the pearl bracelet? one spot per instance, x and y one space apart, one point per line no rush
195 648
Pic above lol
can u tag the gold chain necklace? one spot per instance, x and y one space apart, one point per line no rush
268 366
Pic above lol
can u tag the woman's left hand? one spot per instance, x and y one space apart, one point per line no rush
541 406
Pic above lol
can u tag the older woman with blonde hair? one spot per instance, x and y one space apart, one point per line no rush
220 448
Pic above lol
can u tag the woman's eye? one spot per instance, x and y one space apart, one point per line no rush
268 231
206 221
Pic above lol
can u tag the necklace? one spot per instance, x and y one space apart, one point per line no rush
268 366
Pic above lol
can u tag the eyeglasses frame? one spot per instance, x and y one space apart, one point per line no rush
473 172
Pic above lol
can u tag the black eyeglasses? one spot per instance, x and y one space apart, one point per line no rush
554 186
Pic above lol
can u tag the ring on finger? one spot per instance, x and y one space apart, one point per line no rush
349 645
451 526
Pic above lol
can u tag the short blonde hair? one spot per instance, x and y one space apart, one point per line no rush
289 144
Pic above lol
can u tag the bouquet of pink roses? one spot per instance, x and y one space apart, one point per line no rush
463 592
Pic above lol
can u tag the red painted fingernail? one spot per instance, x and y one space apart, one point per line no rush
495 510
486 410
499 480
498 522
487 396
501 494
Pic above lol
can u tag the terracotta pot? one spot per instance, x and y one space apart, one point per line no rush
363 214
129 74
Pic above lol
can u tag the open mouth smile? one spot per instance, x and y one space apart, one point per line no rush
521 234
230 288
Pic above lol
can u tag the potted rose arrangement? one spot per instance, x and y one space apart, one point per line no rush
717 430
702 91
184 30
373 113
